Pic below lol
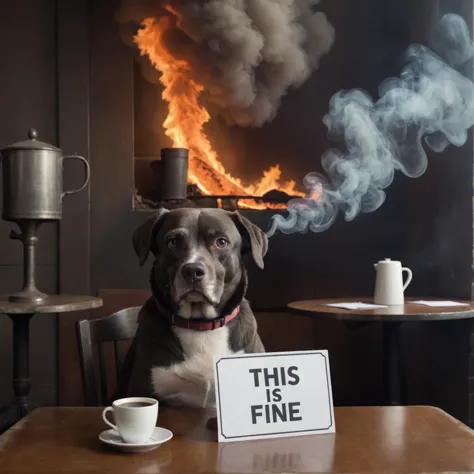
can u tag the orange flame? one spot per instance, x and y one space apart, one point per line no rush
186 118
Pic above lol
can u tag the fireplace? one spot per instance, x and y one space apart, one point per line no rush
426 222
249 165
244 155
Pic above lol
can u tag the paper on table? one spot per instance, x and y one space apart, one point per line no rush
355 305
439 304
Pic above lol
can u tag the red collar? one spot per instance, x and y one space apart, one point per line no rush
196 324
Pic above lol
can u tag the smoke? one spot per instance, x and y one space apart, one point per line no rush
245 54
429 103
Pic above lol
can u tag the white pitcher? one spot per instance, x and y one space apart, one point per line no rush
389 285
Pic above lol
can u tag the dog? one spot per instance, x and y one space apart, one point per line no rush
197 309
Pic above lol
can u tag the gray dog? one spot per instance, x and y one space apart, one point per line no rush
198 307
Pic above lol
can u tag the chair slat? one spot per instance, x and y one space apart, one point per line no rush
119 356
86 361
119 326
103 374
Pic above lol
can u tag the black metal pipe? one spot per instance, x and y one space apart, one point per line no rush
391 363
174 168
21 356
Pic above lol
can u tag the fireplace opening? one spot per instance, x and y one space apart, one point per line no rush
230 168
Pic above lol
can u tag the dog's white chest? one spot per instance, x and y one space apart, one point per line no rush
191 382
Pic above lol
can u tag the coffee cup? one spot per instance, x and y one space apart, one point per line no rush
135 418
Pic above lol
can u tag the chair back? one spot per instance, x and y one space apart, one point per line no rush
95 334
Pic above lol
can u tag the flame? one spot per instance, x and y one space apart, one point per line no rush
186 118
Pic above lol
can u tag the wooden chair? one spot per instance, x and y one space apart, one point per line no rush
119 326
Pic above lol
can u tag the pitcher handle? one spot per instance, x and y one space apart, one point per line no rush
86 180
409 277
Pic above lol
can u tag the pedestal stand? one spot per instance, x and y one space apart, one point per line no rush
29 292
392 366
21 313
20 405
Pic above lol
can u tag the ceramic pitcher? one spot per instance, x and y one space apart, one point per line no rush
389 284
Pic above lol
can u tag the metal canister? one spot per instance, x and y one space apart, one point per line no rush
174 168
33 180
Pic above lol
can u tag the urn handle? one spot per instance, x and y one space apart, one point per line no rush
86 180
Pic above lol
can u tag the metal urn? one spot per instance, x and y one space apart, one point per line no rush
32 174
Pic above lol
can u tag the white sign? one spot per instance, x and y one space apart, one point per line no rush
273 395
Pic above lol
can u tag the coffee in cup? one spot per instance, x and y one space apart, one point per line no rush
135 418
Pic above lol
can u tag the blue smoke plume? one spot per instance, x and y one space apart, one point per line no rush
430 103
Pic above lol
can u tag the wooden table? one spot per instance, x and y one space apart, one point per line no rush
391 318
367 440
20 313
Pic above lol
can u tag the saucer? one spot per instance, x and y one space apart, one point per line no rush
112 438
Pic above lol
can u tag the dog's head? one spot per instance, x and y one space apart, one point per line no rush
198 257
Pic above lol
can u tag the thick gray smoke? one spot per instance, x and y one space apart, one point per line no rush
246 54
430 102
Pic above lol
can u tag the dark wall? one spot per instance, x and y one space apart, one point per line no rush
28 98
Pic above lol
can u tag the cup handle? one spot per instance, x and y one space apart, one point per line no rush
86 180
409 277
104 416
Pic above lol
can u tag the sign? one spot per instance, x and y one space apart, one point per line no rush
273 395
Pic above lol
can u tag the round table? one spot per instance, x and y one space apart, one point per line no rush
20 314
391 319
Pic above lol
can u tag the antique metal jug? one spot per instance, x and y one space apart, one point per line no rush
33 180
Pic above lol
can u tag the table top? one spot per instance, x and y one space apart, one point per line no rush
367 440
52 304
407 312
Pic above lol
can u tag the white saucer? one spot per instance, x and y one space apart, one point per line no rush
113 438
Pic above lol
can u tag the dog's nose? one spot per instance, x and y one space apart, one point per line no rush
193 271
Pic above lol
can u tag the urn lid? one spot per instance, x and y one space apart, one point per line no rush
32 144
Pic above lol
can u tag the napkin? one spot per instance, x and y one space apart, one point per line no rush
356 305
440 304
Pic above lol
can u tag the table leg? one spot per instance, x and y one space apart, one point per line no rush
20 405
392 363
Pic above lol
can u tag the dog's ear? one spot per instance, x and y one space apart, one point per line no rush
144 235
254 239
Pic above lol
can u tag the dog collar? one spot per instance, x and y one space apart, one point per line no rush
197 324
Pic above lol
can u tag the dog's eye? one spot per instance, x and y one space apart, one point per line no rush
172 243
221 243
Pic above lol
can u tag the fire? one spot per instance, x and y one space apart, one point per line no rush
186 118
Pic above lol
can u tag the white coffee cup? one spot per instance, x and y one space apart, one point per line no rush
135 418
